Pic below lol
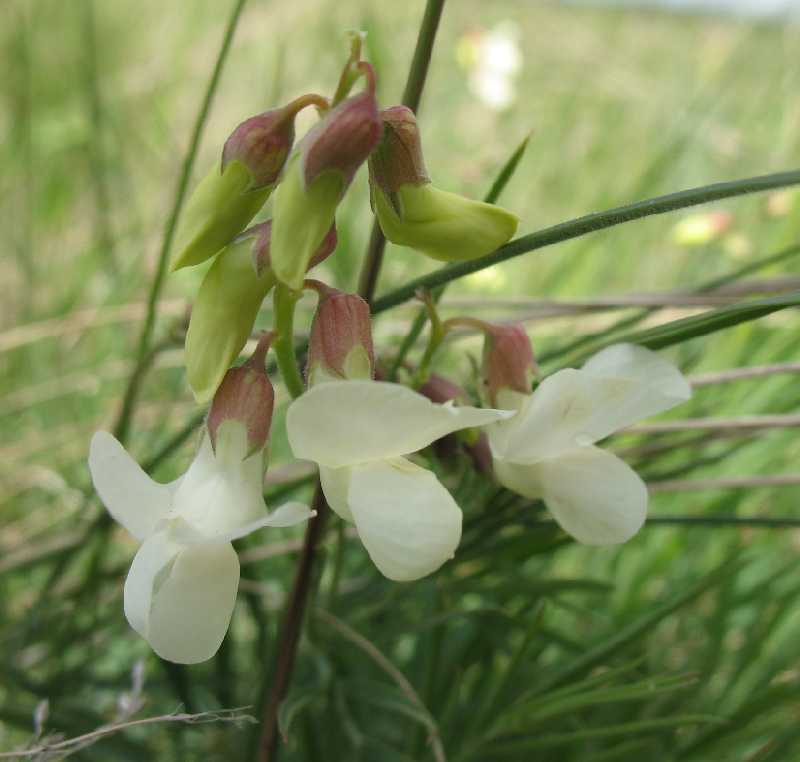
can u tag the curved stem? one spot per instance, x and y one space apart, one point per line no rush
285 300
590 223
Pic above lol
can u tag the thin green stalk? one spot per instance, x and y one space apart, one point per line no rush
338 560
412 95
285 300
708 522
590 223
122 426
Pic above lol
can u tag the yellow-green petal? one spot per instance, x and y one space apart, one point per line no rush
442 225
219 209
302 218
222 317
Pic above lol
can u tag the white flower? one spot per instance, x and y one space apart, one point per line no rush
181 587
358 433
547 450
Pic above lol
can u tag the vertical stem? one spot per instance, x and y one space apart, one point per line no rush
285 300
146 336
290 630
411 98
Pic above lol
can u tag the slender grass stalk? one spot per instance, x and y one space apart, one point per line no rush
293 619
123 422
412 94
590 223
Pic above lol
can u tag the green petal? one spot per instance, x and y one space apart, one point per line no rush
442 225
303 216
218 210
222 317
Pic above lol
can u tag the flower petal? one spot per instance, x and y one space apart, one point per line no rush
593 495
180 598
129 494
518 477
408 522
575 408
335 485
222 493
656 384
342 423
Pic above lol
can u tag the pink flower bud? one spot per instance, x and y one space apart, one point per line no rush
262 142
508 361
262 234
245 395
398 160
343 139
340 344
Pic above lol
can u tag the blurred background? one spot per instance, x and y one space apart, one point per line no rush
622 101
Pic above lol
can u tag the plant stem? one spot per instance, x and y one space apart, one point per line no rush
292 624
411 98
123 422
590 223
290 631
285 300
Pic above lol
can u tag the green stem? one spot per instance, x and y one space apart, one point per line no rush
590 223
412 94
710 522
122 426
285 300
296 604
338 559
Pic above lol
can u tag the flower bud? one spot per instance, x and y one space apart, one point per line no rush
247 397
340 344
231 195
412 212
317 176
509 367
227 305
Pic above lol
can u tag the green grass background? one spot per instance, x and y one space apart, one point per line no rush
98 102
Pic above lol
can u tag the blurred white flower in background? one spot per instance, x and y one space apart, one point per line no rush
493 62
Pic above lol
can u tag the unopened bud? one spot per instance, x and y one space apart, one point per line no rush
412 212
340 344
232 194
224 311
317 176
227 305
247 397
509 367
